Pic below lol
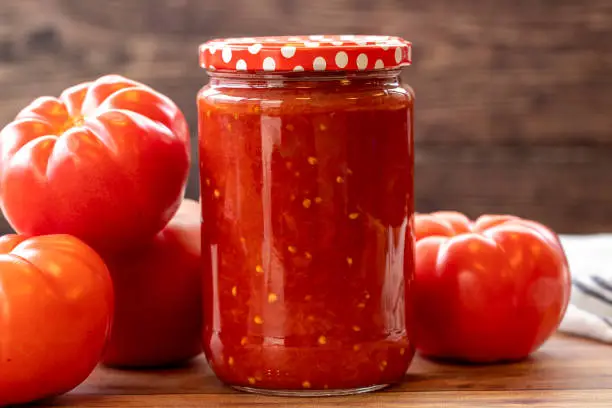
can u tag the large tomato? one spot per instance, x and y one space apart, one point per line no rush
106 162
158 318
485 291
56 306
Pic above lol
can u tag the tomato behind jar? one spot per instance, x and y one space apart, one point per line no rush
158 291
306 166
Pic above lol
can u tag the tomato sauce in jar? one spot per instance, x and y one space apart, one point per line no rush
306 167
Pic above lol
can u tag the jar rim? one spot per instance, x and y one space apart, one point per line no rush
314 53
303 76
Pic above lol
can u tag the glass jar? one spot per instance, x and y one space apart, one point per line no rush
306 167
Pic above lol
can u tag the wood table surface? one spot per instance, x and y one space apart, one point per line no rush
565 372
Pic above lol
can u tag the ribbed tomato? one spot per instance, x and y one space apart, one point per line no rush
486 290
106 162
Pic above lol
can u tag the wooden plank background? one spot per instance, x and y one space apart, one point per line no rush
513 96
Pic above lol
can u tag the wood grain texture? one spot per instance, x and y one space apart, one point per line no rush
530 75
568 187
566 372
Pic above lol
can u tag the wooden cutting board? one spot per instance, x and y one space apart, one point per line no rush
566 372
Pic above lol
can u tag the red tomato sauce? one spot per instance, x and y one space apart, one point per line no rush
307 205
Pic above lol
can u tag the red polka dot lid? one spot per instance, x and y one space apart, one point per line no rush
306 53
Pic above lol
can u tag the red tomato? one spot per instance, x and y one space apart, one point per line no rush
485 291
158 318
56 306
106 162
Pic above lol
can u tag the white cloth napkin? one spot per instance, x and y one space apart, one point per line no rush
590 311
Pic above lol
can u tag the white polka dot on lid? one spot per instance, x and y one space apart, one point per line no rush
255 48
211 67
294 39
398 55
319 64
288 51
311 44
341 59
241 65
362 61
316 37
349 37
298 68
375 38
226 54
269 64
379 64
384 47
337 43
214 47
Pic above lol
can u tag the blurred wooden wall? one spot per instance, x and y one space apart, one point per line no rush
514 97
